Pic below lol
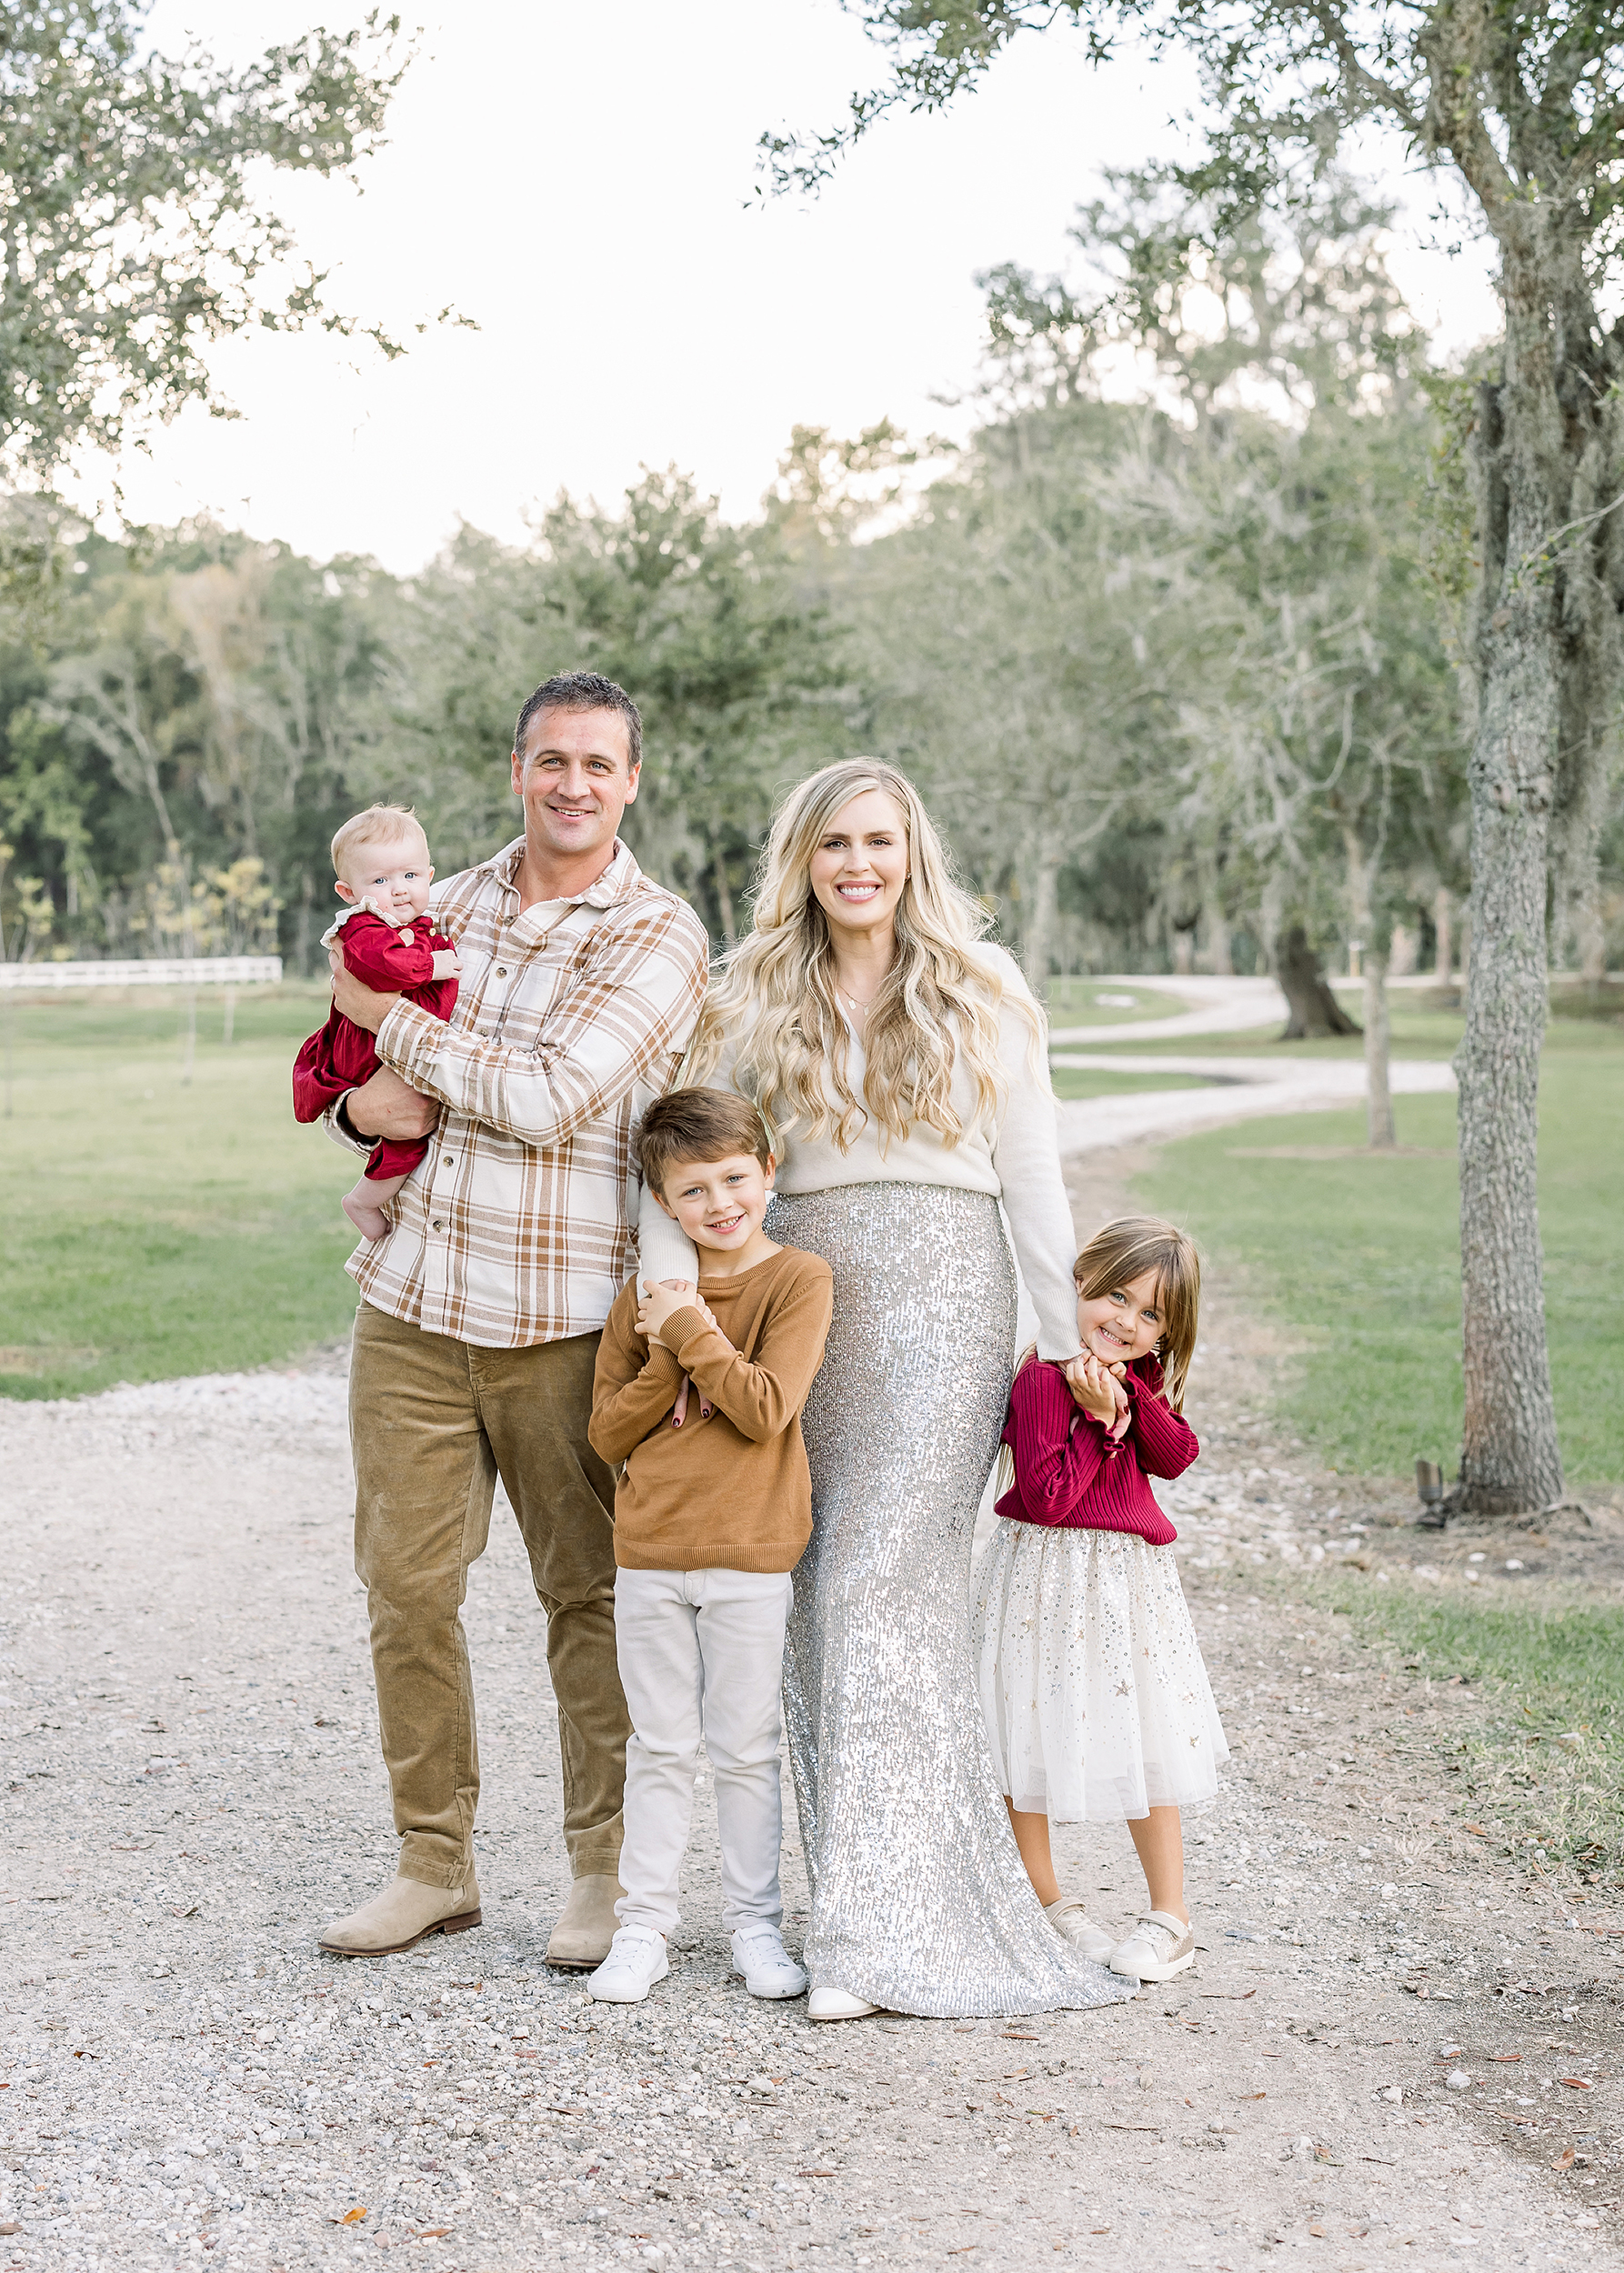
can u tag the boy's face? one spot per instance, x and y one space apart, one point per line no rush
394 876
718 1203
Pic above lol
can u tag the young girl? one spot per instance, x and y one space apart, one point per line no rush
1091 1679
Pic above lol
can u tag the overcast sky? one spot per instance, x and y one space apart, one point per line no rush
578 180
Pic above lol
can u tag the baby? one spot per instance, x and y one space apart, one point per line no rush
388 941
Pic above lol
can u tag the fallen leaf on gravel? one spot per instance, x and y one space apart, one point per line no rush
1254 2095
814 2174
1475 1829
10 2226
1574 2083
1237 1996
1505 2055
1021 2036
352 2218
1564 2161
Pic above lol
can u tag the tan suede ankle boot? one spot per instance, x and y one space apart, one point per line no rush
401 1916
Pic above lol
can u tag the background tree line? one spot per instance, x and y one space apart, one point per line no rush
1170 644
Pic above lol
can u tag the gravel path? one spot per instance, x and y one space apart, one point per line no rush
1217 1006
1392 2053
1244 1089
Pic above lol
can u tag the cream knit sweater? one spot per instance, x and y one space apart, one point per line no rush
1012 1155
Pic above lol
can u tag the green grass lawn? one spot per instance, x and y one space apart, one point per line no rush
153 1230
1359 1256
1416 1034
1092 1081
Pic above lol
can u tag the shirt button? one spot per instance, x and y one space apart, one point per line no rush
437 1225
501 970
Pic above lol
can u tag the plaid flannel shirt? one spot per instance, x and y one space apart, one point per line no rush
519 1227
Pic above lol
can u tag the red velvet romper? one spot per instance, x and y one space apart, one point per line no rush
394 959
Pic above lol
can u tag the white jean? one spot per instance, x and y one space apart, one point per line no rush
701 1657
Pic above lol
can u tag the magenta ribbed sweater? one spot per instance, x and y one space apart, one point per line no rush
1070 1475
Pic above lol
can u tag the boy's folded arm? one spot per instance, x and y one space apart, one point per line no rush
761 1396
634 1386
1055 1461
1166 1442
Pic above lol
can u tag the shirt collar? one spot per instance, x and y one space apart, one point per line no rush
617 882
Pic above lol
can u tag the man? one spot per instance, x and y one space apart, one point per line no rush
481 1307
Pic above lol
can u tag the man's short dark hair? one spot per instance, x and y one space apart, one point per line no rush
583 690
698 1124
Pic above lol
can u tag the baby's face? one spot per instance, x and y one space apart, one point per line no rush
394 876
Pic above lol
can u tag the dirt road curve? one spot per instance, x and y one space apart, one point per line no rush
194 1786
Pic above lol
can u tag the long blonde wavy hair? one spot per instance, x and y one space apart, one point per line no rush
774 993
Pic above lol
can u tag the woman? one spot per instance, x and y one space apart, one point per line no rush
900 1063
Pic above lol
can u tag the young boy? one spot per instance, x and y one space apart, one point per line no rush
699 1393
387 938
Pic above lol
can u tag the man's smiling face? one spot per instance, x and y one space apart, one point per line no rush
575 776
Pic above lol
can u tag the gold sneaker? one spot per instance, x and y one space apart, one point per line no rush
1159 1947
1073 1924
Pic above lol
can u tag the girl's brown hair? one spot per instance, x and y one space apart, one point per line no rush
1125 1249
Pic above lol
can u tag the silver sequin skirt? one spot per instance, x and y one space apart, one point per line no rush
919 1901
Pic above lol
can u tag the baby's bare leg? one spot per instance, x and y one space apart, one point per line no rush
364 1204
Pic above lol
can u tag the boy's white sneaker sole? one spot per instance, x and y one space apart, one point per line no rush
636 1960
766 1967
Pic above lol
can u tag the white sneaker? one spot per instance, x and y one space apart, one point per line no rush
769 1970
1159 1947
636 1960
1073 1924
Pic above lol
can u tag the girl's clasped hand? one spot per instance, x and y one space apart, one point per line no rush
1097 1390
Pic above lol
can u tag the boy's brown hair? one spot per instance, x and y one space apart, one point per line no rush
699 1124
1123 1250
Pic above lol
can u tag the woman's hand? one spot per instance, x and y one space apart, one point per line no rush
1096 1389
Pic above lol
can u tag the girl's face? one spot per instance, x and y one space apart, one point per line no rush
860 865
1123 1323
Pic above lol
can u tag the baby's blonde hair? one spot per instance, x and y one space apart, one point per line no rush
378 825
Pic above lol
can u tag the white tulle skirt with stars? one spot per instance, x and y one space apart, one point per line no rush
1096 1700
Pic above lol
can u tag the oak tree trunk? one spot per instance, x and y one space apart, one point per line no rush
1443 925
1509 1460
1313 1011
1378 1094
1038 930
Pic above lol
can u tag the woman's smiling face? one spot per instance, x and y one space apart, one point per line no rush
1123 1323
860 864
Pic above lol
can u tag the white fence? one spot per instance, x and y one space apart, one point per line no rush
201 970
